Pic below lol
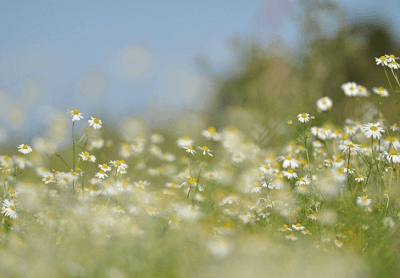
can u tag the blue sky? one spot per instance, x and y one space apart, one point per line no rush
126 57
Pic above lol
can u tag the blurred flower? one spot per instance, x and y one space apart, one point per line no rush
9 209
380 91
324 104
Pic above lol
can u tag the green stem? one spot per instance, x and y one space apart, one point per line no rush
73 147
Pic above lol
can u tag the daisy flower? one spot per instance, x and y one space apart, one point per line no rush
347 145
104 167
350 89
189 149
95 123
211 134
87 156
76 115
303 118
298 227
362 91
9 209
205 150
324 104
101 174
372 130
390 58
395 127
381 61
360 178
394 65
380 91
184 142
363 201
24 149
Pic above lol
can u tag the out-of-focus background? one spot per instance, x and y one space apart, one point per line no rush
175 64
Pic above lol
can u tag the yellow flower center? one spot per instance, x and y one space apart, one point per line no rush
119 208
382 58
374 128
204 148
304 115
12 208
95 120
211 129
75 111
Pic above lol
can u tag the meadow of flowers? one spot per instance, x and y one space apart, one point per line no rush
218 205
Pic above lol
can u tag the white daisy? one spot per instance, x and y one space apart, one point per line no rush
363 201
95 122
324 104
372 130
381 61
303 117
380 91
24 149
9 209
76 115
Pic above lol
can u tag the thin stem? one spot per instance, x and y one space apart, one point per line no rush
73 147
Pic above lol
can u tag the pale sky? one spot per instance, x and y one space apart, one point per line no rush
118 57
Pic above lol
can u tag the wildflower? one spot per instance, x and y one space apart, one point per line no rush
211 134
189 149
290 174
291 237
95 122
363 201
362 91
303 118
87 156
76 115
324 104
156 138
289 162
380 91
338 243
391 58
205 150
24 149
347 145
101 174
360 178
284 228
48 179
267 169
350 130
256 188
298 227
395 127
381 61
350 89
388 222
184 142
104 167
313 216
394 65
119 164
118 209
372 130
238 157
9 209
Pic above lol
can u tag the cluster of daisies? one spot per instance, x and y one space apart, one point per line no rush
302 190
388 61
